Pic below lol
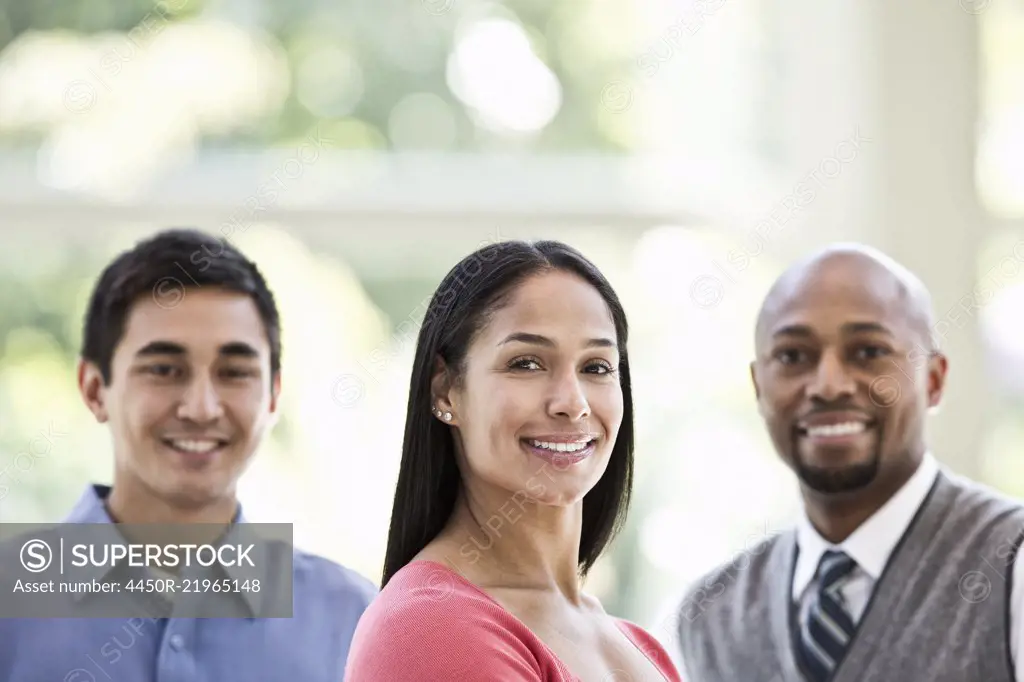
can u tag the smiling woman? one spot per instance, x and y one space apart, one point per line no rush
517 460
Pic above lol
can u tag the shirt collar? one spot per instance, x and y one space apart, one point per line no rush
873 542
91 508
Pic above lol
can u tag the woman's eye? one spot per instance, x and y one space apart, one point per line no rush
599 368
524 363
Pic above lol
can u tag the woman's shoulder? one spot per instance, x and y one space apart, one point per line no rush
430 620
428 589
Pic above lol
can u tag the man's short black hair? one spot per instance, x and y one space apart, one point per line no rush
164 267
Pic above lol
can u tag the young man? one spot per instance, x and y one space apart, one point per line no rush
898 569
181 359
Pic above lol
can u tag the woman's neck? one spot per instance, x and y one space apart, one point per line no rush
510 541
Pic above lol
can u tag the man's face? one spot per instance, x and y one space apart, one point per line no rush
190 396
843 377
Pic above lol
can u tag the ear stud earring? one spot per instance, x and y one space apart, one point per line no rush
447 416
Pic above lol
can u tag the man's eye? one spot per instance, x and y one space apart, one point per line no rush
236 373
789 356
161 370
872 352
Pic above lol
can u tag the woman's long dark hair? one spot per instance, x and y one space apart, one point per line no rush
428 478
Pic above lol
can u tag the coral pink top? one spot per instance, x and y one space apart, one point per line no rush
430 623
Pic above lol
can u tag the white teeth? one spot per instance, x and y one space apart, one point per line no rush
846 429
560 447
194 445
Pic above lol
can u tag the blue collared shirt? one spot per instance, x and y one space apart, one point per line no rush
312 646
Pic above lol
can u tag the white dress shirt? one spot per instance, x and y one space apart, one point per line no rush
870 546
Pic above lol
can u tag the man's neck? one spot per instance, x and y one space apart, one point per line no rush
131 509
837 517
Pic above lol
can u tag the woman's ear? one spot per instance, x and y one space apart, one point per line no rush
441 404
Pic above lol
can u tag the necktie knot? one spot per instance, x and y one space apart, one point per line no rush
834 566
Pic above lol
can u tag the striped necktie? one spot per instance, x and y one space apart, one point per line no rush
828 627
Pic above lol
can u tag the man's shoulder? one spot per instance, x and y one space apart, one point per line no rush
745 574
972 495
318 574
748 560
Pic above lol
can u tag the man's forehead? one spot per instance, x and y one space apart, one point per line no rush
207 322
844 288
842 296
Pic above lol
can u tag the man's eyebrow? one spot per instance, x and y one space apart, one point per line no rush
855 327
805 331
161 348
793 330
239 349
233 349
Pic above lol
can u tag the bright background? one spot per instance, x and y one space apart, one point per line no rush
358 150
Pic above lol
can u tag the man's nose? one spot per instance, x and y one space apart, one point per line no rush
201 402
831 380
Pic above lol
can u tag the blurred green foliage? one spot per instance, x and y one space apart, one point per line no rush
398 47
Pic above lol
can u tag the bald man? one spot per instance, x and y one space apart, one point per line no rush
898 570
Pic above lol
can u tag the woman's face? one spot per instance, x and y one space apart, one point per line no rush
540 405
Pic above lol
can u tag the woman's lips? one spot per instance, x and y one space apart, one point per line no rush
560 452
